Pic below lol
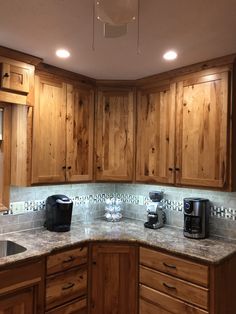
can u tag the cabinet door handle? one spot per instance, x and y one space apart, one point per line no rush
6 75
69 259
64 167
68 286
169 286
169 265
170 169
177 169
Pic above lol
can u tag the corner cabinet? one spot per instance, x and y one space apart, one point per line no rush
114 131
156 134
114 276
183 131
62 132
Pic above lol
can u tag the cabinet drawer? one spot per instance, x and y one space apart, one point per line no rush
66 260
194 272
75 307
149 308
165 302
15 78
176 287
65 287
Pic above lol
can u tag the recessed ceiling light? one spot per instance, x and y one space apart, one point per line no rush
170 55
62 53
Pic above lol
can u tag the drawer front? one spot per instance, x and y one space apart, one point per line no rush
175 266
65 287
65 260
75 307
175 287
149 308
164 301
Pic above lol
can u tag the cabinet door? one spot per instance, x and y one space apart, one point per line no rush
19 303
155 135
15 78
202 130
80 126
114 136
49 131
114 279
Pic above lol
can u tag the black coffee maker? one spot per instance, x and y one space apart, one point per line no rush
155 215
58 213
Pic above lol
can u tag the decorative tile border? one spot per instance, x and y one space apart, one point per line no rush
37 205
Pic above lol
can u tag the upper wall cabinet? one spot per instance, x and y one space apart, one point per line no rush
114 135
15 78
183 131
17 81
202 128
62 132
156 134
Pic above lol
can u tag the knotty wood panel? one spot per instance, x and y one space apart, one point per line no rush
175 266
153 301
49 129
114 136
80 127
114 279
202 131
175 287
155 135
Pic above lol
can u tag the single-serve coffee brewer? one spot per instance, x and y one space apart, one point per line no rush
155 215
196 218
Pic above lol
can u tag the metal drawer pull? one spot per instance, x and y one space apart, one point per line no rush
169 287
170 266
68 286
69 259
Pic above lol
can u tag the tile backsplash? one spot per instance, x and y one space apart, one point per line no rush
28 204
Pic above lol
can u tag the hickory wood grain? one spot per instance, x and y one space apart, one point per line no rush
155 145
202 109
114 133
79 134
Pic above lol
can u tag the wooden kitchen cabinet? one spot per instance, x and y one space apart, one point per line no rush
66 281
183 131
176 285
114 135
114 279
62 132
155 148
202 130
21 289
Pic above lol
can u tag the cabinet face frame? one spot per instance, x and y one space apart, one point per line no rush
155 144
114 135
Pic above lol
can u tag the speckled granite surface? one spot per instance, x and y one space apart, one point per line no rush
41 242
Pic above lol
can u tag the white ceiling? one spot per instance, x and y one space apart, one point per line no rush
199 30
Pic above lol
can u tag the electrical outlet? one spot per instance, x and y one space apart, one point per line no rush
141 200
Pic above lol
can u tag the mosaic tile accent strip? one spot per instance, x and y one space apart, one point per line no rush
177 206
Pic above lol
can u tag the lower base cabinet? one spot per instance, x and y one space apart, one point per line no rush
21 289
114 274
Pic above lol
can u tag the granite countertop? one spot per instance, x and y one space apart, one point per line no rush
41 242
